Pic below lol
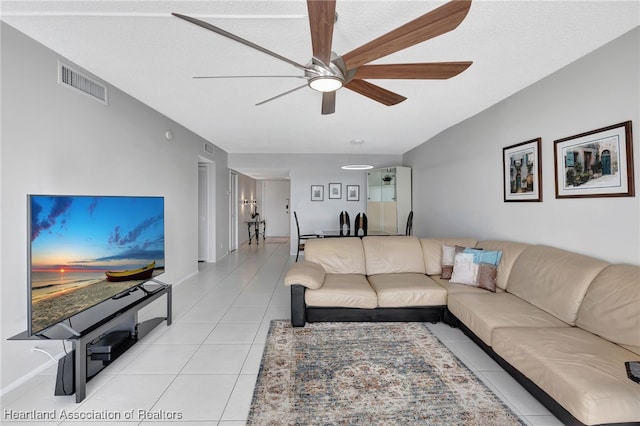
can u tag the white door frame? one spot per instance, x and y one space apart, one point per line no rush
203 212
206 211
233 210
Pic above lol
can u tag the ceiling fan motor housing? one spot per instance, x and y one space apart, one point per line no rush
324 77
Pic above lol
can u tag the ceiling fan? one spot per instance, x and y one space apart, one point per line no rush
328 72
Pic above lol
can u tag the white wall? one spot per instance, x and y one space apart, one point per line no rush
317 169
57 141
457 175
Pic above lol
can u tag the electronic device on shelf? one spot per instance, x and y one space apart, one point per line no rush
110 345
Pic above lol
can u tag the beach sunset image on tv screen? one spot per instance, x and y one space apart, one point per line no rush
87 249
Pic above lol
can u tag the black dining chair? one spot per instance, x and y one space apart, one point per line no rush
345 223
301 237
360 224
409 229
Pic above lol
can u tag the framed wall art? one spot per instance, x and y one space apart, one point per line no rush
598 163
522 174
317 192
335 190
353 192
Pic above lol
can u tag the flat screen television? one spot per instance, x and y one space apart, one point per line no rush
85 250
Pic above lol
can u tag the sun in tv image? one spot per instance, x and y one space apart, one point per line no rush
85 250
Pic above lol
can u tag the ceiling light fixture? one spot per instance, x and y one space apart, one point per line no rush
324 77
356 143
325 83
357 167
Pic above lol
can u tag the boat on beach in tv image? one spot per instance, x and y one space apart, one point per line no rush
87 249
144 273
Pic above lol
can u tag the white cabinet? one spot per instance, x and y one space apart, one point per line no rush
388 199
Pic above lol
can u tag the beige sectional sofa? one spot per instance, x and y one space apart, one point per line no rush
369 279
561 323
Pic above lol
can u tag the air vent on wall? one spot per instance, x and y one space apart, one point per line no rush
70 77
208 148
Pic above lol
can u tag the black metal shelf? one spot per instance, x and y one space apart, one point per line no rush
88 327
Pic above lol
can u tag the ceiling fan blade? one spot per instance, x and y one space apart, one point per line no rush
426 71
328 103
234 37
281 95
432 24
247 76
322 15
374 92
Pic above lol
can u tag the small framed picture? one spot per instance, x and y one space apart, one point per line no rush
522 171
335 190
353 192
598 163
317 192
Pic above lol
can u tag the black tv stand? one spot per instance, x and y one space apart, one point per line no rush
68 328
97 344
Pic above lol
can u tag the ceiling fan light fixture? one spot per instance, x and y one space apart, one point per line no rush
356 143
324 77
357 167
325 83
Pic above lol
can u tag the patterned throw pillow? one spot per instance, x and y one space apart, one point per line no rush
448 256
478 268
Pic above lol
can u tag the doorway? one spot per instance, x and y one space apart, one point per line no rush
275 196
606 162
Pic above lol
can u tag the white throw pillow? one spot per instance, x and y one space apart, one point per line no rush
465 271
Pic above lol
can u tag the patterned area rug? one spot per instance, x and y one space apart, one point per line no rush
368 373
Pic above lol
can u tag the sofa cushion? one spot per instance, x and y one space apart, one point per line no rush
393 255
460 288
483 313
398 290
432 251
554 280
611 307
305 273
477 268
581 371
336 255
510 252
343 290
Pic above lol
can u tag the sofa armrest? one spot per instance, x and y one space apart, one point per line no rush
298 306
305 273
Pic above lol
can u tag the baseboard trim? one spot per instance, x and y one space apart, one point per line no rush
30 375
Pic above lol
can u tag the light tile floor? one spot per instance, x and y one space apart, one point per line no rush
203 367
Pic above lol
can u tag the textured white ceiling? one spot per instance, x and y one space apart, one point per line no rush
140 48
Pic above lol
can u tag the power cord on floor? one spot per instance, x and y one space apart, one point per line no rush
37 349
64 362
